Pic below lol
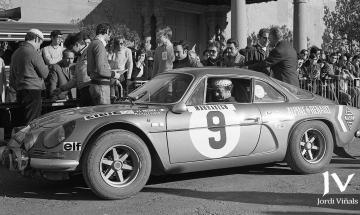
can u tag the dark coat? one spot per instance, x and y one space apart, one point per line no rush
283 62
28 69
59 76
254 55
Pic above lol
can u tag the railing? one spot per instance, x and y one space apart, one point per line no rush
342 91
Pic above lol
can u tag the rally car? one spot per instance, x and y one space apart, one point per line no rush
172 124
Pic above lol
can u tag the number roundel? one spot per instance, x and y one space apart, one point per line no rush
211 134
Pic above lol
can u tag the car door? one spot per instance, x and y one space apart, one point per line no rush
212 130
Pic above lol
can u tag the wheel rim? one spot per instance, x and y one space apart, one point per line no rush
119 166
312 145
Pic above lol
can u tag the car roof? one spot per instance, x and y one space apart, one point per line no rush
202 71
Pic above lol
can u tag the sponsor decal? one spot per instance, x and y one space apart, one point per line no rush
121 112
71 146
345 118
210 107
213 139
309 110
349 117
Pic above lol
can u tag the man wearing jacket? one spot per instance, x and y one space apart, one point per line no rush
28 71
98 67
282 60
258 52
60 74
81 80
183 57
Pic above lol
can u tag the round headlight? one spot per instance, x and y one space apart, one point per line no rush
55 136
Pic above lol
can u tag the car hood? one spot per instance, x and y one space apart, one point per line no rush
55 118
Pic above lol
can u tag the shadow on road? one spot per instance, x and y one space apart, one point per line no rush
266 169
307 213
262 198
13 185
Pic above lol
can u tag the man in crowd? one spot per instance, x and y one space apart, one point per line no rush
259 52
233 58
184 57
222 90
27 74
52 53
214 58
98 67
164 54
282 60
77 43
121 59
60 74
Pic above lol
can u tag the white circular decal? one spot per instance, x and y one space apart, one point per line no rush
210 135
259 91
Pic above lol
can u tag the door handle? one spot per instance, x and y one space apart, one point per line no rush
254 119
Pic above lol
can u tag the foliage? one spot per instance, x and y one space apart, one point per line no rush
287 34
342 27
5 4
132 37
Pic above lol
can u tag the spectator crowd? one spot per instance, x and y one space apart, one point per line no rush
104 69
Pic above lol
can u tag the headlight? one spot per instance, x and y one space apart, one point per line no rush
29 141
54 137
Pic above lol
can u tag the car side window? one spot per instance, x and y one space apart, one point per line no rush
197 97
228 90
264 93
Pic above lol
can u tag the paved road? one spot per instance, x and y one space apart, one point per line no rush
251 190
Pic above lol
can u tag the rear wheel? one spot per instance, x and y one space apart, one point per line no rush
117 165
310 147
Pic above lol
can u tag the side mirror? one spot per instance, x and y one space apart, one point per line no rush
179 108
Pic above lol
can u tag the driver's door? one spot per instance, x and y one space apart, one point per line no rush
212 130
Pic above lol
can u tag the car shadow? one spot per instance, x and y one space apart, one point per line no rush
265 169
13 185
256 197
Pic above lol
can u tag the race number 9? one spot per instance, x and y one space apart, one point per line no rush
214 134
216 123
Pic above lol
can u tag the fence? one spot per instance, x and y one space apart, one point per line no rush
342 91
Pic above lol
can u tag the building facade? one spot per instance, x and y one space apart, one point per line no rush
191 20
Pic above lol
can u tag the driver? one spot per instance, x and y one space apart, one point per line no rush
222 90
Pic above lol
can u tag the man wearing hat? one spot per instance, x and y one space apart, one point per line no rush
222 90
27 74
52 53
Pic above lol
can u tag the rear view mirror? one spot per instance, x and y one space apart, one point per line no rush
179 108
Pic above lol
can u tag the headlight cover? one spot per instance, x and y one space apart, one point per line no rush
55 136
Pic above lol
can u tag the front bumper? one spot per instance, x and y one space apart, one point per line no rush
53 164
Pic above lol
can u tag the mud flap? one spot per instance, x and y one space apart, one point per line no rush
340 151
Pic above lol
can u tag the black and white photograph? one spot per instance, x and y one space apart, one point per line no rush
179 107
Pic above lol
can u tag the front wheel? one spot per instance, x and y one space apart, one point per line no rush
310 147
117 165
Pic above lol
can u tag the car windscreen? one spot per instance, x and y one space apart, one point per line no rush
164 88
299 93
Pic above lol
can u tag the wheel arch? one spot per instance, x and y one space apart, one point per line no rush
327 122
157 167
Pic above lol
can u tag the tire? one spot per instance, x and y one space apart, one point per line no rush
310 147
117 165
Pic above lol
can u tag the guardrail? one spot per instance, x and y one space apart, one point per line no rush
342 91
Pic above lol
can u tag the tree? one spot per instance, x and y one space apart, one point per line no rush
132 37
5 4
342 27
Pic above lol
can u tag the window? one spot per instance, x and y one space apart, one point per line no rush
164 88
264 93
299 93
197 98
228 90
